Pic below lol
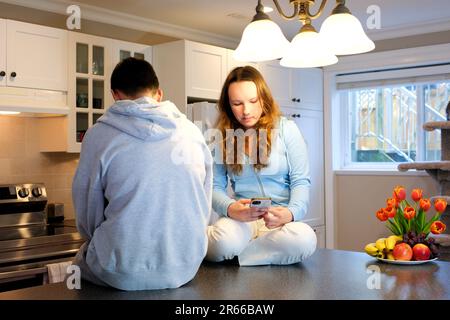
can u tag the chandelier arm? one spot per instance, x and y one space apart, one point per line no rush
280 10
319 12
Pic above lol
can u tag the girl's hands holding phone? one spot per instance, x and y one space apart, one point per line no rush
241 211
277 217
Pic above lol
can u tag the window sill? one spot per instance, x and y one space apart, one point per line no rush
379 172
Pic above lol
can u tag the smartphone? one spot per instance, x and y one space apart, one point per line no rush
261 202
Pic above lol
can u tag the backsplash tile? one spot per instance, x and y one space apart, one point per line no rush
21 161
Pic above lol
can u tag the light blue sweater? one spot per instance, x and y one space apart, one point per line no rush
142 195
286 179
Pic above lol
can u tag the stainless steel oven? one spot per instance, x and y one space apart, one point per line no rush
28 242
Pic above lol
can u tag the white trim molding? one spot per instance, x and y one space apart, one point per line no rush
406 30
332 115
124 20
390 59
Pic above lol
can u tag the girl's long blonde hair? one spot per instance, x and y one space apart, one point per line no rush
226 120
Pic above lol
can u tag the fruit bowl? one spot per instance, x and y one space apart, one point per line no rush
410 241
411 262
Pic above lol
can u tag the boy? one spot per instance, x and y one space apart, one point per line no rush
142 211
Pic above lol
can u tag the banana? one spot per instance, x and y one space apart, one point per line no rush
380 244
380 255
391 241
390 256
371 249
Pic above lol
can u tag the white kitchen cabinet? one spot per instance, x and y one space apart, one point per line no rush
88 94
91 60
33 56
320 234
206 70
232 63
279 80
310 124
301 88
307 88
190 71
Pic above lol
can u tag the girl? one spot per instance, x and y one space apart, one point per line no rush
261 154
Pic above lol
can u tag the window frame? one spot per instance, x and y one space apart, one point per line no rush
338 137
345 132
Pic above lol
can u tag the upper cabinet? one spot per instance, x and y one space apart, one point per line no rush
307 88
89 90
32 56
294 87
206 70
91 62
190 71
279 80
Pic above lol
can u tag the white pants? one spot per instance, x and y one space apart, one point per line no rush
254 244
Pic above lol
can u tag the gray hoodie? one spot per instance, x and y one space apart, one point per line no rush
142 196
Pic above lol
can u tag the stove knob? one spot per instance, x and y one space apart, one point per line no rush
23 193
37 192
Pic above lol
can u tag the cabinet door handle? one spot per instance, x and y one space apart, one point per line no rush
2 73
298 100
13 74
293 99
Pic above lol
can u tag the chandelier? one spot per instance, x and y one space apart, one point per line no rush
341 34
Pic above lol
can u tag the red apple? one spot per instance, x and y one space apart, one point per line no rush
421 252
402 251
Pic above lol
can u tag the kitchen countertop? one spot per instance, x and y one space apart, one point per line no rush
328 274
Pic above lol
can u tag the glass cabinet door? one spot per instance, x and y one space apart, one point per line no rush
98 58
82 125
90 83
124 49
82 58
124 54
82 93
139 55
95 117
98 90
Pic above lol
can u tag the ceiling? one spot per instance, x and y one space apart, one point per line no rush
227 19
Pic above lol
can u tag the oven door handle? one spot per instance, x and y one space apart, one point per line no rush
22 274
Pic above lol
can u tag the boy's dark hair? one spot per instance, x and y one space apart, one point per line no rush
132 76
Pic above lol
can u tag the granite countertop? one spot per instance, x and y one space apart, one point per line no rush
328 274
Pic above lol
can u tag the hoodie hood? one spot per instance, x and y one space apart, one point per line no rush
143 118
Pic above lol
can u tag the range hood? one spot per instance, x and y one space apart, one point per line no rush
33 101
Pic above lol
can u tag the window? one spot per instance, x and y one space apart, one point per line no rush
384 119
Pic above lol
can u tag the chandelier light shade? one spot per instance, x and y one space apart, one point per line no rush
262 39
308 50
345 35
340 34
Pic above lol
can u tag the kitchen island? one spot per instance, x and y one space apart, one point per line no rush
328 274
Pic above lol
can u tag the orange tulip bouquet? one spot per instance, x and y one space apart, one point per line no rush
410 227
